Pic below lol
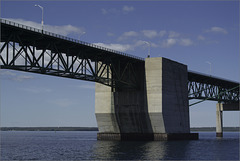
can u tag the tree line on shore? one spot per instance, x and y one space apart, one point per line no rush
49 129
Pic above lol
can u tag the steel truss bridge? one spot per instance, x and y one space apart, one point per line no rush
29 49
207 87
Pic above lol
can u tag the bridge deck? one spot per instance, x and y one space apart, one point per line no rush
208 79
66 57
70 58
64 44
205 87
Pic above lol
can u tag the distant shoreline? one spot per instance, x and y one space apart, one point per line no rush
193 129
226 129
49 129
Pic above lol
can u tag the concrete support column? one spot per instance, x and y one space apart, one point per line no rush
219 121
157 110
167 95
105 110
167 99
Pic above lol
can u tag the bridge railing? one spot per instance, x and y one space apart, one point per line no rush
211 76
207 87
67 38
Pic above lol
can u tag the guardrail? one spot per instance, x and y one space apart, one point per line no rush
212 77
67 38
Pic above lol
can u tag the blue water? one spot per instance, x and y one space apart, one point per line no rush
41 145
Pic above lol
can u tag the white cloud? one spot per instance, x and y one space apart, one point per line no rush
130 34
185 42
200 37
109 11
154 45
144 44
62 30
127 47
168 43
127 9
173 38
217 30
140 43
65 30
123 10
104 11
174 41
173 34
153 33
118 47
150 33
144 33
162 33
127 35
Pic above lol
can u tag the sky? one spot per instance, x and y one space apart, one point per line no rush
195 33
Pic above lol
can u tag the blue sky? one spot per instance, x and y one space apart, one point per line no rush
192 33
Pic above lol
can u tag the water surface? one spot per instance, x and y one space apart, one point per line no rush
79 145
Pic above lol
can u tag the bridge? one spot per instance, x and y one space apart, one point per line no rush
134 98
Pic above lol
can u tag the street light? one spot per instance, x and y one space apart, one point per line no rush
148 48
210 66
36 5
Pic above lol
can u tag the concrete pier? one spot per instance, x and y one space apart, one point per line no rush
220 107
105 109
219 123
167 95
156 111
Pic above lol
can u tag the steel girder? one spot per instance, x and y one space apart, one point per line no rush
210 91
46 57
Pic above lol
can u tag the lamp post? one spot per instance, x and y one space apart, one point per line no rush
148 48
210 66
36 5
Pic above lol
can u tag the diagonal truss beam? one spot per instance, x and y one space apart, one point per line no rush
208 91
48 58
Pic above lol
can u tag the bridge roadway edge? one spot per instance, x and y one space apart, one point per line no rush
159 111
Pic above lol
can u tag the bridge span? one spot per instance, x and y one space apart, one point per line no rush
134 98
